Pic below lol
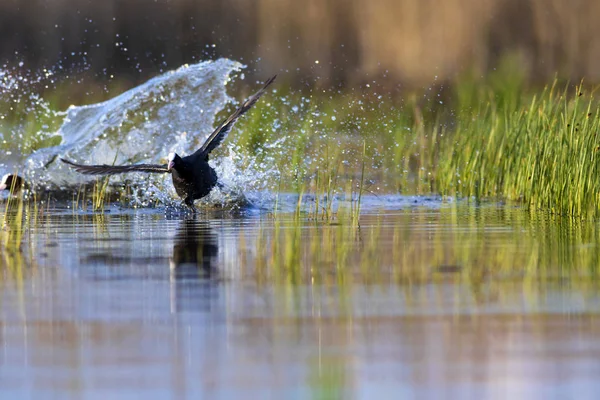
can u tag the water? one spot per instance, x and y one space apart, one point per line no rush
425 299
173 112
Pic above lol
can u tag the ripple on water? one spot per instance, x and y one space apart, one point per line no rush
422 300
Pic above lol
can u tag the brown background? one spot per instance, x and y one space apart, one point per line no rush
408 41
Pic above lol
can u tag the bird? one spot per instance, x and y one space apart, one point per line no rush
193 178
13 183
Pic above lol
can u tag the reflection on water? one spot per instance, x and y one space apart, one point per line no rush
194 251
194 266
447 301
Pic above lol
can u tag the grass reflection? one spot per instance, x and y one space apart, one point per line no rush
408 294
16 252
455 244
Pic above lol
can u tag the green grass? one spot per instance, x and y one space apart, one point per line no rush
489 138
495 140
541 150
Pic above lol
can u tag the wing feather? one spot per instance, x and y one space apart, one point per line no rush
105 169
219 134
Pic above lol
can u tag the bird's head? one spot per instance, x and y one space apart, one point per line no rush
173 161
12 182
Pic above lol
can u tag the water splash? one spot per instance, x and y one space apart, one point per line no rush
173 112
21 107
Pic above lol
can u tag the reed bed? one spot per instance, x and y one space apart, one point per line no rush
541 150
483 139
494 140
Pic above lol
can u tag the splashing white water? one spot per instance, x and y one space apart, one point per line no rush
20 104
173 112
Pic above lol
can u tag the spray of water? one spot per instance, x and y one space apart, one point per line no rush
173 112
21 106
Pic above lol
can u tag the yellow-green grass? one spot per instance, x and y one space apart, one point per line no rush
525 248
494 140
491 138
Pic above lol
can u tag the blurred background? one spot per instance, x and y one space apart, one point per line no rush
346 42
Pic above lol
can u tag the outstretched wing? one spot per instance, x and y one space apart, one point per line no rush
219 134
105 169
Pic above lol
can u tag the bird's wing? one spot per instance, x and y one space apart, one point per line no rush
105 169
219 134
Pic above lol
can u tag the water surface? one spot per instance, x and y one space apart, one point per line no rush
425 299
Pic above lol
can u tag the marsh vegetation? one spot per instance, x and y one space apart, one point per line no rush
367 215
495 139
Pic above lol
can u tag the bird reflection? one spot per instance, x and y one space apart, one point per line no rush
193 267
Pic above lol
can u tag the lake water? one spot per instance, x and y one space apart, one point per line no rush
426 299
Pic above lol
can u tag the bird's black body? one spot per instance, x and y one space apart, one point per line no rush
193 177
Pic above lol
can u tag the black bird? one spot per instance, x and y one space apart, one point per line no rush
13 183
193 178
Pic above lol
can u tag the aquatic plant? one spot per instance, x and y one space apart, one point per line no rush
491 138
541 152
496 140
